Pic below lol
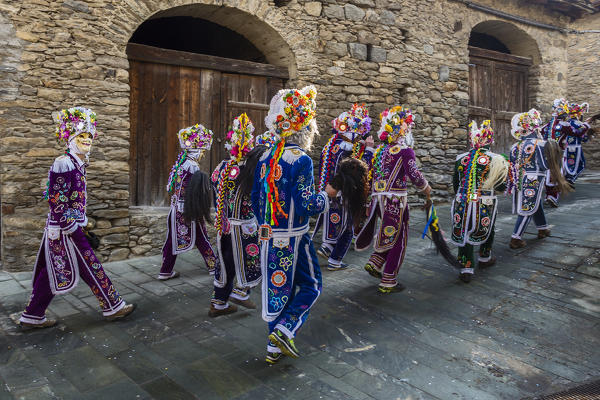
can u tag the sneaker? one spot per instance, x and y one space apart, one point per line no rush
174 274
331 267
551 202
370 268
122 313
324 252
48 323
216 312
244 303
488 263
393 289
285 344
273 358
466 274
543 233
517 243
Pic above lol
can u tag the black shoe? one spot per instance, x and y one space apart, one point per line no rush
340 267
466 275
217 312
324 252
273 358
394 289
285 344
370 268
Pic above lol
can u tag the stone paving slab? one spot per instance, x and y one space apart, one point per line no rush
527 326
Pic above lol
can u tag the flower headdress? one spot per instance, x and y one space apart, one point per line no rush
193 140
354 124
239 142
523 124
481 136
391 125
291 111
577 110
560 107
239 139
266 139
72 122
195 137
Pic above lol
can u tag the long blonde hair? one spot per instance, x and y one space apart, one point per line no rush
497 173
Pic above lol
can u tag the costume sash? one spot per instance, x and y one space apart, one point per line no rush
61 262
183 233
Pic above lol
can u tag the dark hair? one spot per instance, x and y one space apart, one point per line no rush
246 177
351 179
198 199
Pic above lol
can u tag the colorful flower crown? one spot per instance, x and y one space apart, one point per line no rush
239 140
195 137
481 136
391 124
72 122
291 110
356 122
265 139
560 107
525 123
577 110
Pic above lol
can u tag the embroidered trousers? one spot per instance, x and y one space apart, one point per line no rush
306 290
202 243
90 271
467 252
231 289
389 261
539 218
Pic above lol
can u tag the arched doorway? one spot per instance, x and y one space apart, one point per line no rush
501 58
185 69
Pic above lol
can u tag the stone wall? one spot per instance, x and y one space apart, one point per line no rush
381 52
584 77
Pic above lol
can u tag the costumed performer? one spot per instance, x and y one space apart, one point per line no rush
393 162
183 233
65 255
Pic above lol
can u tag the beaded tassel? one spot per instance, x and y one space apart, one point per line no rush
273 206
175 171
326 162
221 188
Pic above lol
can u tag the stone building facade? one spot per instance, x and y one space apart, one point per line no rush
60 53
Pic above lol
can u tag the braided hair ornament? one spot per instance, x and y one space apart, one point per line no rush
239 142
291 111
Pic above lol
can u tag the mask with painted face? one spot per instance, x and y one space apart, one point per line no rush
83 143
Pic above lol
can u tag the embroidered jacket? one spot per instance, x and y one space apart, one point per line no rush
183 232
473 216
279 247
242 228
529 168
336 219
390 172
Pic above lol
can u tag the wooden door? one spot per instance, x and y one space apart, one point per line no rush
498 89
171 90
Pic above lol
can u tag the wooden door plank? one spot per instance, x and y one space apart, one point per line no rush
142 52
134 96
497 56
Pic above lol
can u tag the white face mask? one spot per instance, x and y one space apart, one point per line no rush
82 143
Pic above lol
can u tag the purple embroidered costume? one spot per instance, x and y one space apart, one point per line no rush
393 163
182 235
237 229
65 255
349 131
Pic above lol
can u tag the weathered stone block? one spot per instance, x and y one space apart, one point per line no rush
338 49
115 238
118 254
378 55
387 17
353 13
444 73
111 214
334 11
428 49
313 8
358 51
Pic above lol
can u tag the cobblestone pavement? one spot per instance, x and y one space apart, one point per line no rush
526 326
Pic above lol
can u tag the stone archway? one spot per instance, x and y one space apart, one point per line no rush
503 62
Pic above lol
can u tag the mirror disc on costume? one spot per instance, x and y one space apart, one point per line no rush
483 159
234 172
389 230
395 150
380 186
278 279
335 218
